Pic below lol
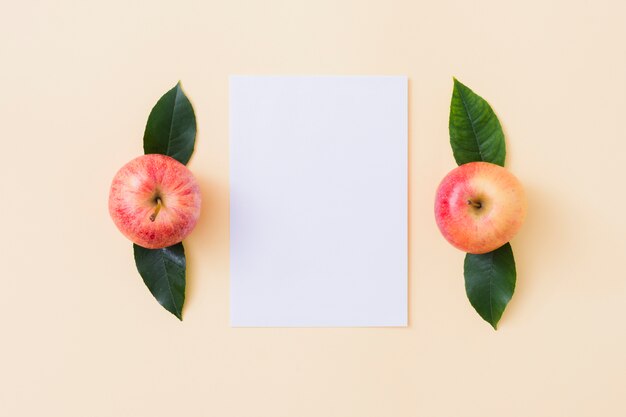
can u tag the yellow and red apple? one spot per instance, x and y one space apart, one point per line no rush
479 207
154 201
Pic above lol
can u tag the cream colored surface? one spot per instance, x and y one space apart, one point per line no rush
81 335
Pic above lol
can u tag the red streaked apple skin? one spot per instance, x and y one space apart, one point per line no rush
479 207
135 193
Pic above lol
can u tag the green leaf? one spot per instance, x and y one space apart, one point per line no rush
163 272
490 282
475 132
171 127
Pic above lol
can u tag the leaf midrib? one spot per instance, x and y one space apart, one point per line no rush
169 135
469 116
491 272
169 286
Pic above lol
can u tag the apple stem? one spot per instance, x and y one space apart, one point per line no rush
156 211
471 203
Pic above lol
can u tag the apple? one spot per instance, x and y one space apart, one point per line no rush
154 201
479 207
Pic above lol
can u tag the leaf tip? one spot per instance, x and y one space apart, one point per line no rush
458 84
176 312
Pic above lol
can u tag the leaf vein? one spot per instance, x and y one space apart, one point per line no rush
169 135
469 116
169 285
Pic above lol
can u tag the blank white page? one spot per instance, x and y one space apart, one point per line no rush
318 201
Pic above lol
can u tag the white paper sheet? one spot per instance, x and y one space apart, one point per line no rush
318 201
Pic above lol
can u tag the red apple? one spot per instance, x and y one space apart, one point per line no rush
154 201
479 207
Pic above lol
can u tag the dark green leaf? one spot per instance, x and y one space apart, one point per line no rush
475 132
163 271
171 127
490 282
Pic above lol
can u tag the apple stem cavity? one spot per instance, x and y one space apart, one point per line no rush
476 204
156 211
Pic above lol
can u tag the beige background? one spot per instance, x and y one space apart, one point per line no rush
81 335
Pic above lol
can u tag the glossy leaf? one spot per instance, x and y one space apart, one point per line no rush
475 132
490 282
171 127
163 272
